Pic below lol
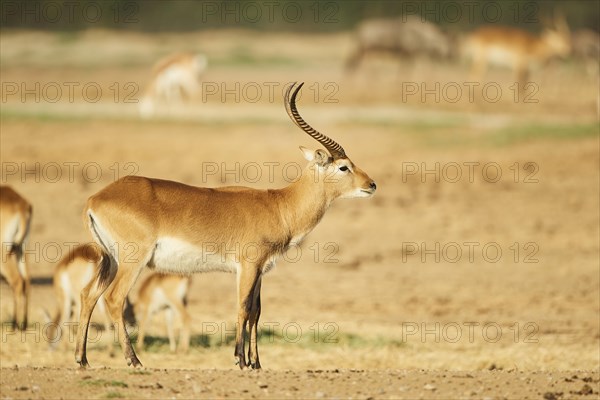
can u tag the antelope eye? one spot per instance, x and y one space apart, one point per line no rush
343 168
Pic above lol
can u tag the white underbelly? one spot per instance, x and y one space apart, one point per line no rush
501 57
177 256
11 227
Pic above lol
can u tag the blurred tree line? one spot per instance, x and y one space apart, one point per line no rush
284 15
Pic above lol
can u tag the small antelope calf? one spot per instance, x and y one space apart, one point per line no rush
77 269
174 78
164 292
515 48
15 220
72 273
173 225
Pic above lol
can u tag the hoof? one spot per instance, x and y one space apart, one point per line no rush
241 363
83 364
253 361
134 362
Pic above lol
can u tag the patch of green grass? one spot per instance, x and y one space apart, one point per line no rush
103 383
348 340
13 114
8 114
254 121
357 341
454 132
326 336
241 56
139 372
526 132
424 125
439 132
200 341
113 394
155 344
67 37
158 344
306 338
117 384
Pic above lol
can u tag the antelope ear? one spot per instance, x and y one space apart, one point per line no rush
322 158
319 156
308 154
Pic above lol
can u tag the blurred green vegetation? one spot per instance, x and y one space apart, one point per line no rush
102 382
282 15
533 131
113 394
156 344
446 131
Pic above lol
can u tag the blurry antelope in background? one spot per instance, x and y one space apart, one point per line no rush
586 48
407 37
15 221
171 224
72 273
515 48
77 269
169 293
174 79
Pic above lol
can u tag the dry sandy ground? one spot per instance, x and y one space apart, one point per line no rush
359 295
39 383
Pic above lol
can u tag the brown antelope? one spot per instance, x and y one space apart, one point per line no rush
515 48
586 48
406 37
174 78
72 273
172 227
15 220
164 292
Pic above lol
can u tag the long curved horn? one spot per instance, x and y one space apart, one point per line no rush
331 145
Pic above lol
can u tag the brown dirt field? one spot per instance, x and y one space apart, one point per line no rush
356 313
39 383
